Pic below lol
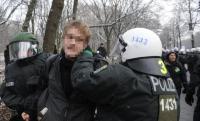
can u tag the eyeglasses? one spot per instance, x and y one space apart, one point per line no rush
77 39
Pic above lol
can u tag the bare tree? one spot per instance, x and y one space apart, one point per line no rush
29 14
41 16
8 27
191 27
33 23
52 25
166 37
183 23
114 17
7 4
190 11
75 6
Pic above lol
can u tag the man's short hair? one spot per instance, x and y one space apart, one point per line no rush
83 28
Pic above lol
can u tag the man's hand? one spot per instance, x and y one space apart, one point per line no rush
25 116
189 99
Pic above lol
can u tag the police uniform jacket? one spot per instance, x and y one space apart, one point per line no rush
126 93
22 87
195 78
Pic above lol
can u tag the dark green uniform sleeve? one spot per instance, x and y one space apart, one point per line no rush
34 84
183 76
97 85
195 79
19 103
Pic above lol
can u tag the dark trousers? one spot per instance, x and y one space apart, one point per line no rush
196 116
19 118
16 118
178 91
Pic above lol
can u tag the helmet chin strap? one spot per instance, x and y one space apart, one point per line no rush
123 43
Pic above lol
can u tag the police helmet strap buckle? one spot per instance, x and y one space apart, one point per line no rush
123 43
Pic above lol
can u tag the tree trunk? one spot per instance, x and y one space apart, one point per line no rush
192 40
31 8
33 23
191 27
11 13
52 25
179 36
75 9
108 46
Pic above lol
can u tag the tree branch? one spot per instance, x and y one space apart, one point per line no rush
111 24
13 10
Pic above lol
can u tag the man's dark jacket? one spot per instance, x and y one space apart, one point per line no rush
178 74
59 93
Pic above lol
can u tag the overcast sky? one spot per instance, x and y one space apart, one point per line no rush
166 14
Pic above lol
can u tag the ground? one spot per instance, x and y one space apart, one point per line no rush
186 110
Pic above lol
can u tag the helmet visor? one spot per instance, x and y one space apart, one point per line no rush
21 50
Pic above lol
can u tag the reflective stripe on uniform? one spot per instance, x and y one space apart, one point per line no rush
100 69
10 84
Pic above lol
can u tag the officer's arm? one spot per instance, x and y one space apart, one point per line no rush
18 102
43 70
195 79
97 85
183 76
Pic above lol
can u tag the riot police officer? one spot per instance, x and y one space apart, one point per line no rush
138 89
22 76
194 83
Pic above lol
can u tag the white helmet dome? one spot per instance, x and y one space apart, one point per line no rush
141 43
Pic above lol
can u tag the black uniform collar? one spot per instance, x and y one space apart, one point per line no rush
147 65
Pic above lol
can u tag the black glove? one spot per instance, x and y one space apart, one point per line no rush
184 91
189 99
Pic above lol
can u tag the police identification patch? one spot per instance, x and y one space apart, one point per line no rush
162 85
177 69
167 108
165 89
100 69
10 84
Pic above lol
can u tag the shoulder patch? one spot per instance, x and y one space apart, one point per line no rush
10 84
100 69
177 69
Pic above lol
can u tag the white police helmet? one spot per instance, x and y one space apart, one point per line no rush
141 50
139 43
198 49
182 51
